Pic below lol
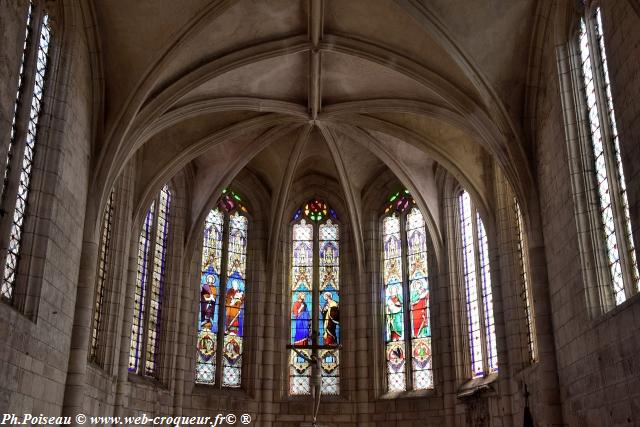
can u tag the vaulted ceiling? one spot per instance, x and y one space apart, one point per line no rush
286 88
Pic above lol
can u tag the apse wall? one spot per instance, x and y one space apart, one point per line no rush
598 356
36 340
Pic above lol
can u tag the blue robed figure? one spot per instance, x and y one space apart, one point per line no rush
302 324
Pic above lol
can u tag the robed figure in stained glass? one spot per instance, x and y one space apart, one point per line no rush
419 309
331 316
234 299
302 320
395 326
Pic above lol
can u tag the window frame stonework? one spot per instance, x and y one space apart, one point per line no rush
223 278
488 372
140 369
406 309
315 291
594 252
25 292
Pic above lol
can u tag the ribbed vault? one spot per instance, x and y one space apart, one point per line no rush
323 87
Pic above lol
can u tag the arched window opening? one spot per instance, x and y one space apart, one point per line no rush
150 280
526 293
104 258
23 141
406 296
223 280
315 297
478 293
615 237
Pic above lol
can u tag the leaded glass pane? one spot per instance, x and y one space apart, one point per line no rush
139 297
419 300
26 163
329 327
97 328
487 296
157 281
394 303
234 301
209 301
471 286
301 306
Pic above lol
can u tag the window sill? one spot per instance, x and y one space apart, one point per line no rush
407 394
146 381
212 389
477 385
613 312
309 398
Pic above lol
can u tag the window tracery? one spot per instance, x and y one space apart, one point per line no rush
406 296
23 141
223 281
613 207
149 291
315 298
483 355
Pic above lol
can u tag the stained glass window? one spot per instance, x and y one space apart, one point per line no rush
315 298
97 329
616 233
406 296
24 135
526 291
223 279
148 297
478 293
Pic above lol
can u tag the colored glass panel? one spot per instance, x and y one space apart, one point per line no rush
234 301
419 300
329 327
209 301
301 307
394 306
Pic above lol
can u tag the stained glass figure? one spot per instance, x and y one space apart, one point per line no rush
223 281
19 164
478 292
315 227
209 291
146 324
617 237
406 295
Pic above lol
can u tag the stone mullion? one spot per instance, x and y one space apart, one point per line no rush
479 287
142 363
406 307
315 286
221 300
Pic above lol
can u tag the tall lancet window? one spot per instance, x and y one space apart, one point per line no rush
615 237
406 296
223 281
526 293
315 298
25 132
477 285
96 348
150 282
